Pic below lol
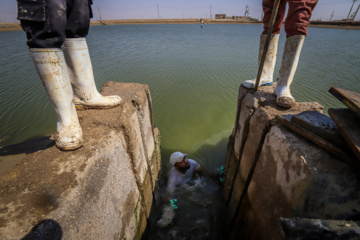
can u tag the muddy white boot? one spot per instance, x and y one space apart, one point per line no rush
51 67
82 78
269 64
292 50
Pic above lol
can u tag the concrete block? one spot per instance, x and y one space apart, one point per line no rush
247 108
280 173
286 161
101 191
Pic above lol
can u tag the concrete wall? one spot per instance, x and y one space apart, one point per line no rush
272 172
100 191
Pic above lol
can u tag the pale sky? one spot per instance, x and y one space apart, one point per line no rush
147 9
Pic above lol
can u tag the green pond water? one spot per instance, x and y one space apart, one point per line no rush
194 74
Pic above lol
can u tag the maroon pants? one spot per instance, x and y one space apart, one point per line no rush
297 20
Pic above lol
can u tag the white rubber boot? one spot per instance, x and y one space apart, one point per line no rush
51 67
269 64
82 78
292 50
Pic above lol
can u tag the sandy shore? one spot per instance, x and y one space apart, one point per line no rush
9 27
172 21
335 26
341 25
17 27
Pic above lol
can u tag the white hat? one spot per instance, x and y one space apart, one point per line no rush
177 157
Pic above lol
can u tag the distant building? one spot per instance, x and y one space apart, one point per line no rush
239 18
242 18
220 16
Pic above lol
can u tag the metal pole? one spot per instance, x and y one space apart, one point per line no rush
350 9
331 16
266 46
356 12
158 11
99 14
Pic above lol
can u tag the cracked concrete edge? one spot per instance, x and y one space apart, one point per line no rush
102 171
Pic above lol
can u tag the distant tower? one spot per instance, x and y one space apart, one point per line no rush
247 11
158 11
99 14
351 9
210 11
356 13
331 16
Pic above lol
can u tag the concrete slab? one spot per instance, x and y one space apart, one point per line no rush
102 190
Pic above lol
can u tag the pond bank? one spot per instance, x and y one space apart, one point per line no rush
341 25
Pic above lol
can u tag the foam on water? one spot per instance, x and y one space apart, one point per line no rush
200 212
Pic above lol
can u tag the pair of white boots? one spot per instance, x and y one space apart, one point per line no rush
292 49
67 76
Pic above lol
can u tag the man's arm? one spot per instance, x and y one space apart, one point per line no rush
197 167
171 185
200 169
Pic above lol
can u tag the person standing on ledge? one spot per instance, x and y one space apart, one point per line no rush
182 171
56 31
296 25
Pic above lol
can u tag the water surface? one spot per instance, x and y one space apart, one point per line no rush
193 74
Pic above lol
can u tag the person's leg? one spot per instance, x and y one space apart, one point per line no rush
298 18
292 49
43 22
78 59
296 25
52 70
269 64
78 18
268 8
270 59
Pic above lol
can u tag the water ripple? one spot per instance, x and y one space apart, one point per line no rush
193 74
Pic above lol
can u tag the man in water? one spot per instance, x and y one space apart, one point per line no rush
182 171
296 25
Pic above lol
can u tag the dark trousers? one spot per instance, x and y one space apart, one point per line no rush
48 22
297 20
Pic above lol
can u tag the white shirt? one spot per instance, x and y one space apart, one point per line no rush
176 178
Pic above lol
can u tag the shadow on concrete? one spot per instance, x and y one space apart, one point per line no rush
45 230
29 146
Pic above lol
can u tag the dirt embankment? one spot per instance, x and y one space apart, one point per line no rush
333 24
172 21
17 27
9 27
336 24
